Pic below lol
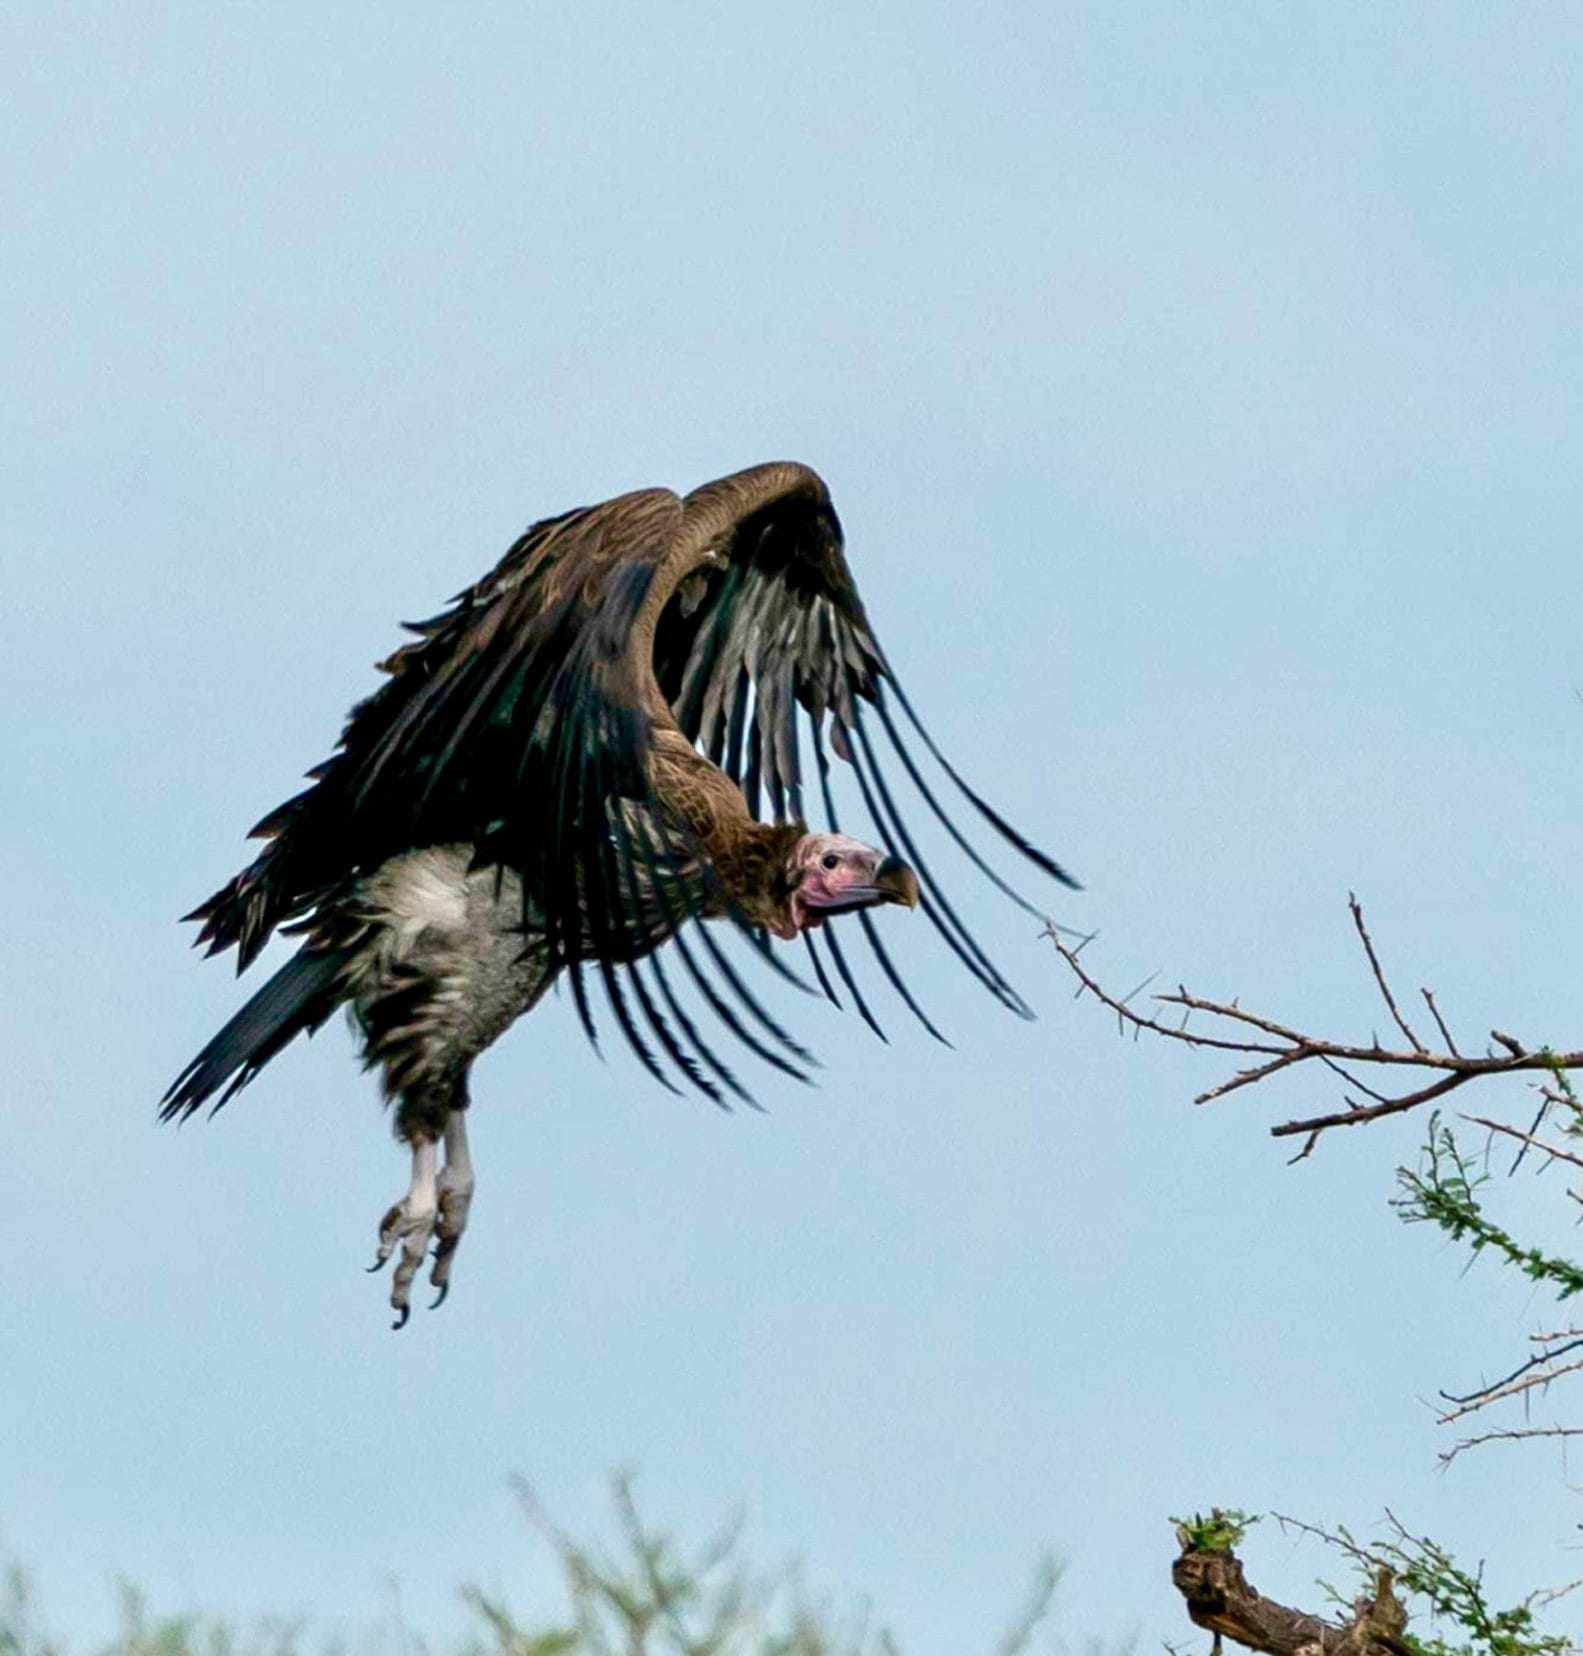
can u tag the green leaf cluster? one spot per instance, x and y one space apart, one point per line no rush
1221 1532
1453 1598
1443 1191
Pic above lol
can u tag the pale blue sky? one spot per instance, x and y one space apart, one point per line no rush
1200 390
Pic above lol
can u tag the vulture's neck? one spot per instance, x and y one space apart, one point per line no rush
751 860
748 857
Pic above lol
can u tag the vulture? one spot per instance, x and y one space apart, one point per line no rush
594 751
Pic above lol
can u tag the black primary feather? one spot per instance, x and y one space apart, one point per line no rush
772 631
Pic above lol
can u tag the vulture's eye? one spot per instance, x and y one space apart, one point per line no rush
831 859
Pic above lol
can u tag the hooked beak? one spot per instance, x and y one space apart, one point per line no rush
892 882
895 882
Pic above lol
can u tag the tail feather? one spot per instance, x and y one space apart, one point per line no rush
298 998
245 911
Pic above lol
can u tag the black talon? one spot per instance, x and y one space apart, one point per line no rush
439 1298
378 1265
401 1321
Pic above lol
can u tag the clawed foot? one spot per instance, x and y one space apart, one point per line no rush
435 1206
456 1197
411 1223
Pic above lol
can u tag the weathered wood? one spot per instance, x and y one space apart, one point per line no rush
1220 1599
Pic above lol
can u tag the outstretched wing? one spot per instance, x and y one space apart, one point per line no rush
521 721
485 729
766 631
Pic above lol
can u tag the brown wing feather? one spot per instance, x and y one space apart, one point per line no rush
438 753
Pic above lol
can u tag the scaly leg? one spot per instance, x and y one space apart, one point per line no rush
456 1197
410 1222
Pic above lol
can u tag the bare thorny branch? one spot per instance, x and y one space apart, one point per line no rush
1512 1434
1535 1372
1275 1046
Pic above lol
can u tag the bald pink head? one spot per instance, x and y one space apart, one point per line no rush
834 874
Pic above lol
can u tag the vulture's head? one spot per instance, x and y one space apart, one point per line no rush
832 874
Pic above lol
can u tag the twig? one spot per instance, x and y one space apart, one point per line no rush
1352 1080
1239 1014
1512 1387
1138 1020
1277 1046
1445 1034
1246 1078
1551 1594
1379 975
1547 1097
1485 1392
1392 1106
1527 1139
1517 1434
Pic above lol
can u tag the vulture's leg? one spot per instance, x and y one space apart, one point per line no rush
410 1222
423 1116
449 967
456 1197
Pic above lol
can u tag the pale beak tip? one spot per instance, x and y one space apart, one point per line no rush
897 881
